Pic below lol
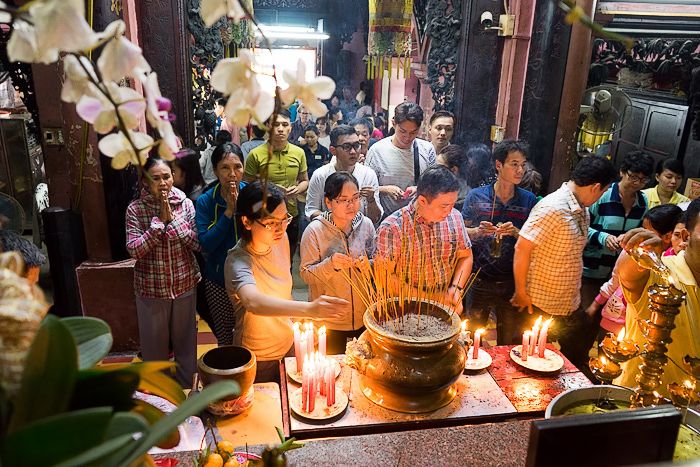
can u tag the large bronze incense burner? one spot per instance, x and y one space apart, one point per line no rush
409 364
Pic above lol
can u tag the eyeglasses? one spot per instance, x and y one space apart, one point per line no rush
348 146
276 224
516 166
348 201
637 179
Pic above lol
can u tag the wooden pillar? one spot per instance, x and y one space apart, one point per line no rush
575 80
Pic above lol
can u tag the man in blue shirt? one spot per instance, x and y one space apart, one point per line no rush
494 215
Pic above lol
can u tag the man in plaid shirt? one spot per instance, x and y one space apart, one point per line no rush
548 258
427 239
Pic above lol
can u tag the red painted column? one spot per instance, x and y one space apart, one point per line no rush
516 51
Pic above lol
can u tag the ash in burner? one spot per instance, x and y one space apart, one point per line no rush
418 326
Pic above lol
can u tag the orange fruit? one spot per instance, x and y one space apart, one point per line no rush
214 460
232 462
224 446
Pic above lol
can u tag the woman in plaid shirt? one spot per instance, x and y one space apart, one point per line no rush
161 236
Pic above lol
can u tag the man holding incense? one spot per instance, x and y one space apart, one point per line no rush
426 242
494 215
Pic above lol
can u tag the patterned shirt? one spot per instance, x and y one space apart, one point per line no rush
424 252
283 168
557 227
482 204
608 217
165 265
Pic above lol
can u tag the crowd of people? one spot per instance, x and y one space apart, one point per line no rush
344 194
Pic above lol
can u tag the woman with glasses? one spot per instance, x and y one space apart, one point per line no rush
218 233
333 244
259 281
669 176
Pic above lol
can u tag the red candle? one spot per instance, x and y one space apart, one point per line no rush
322 341
526 345
535 335
297 347
542 341
477 343
312 386
305 386
322 383
330 390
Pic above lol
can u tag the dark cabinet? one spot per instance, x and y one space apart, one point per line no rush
655 127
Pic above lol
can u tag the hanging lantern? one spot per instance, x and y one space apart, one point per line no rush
389 36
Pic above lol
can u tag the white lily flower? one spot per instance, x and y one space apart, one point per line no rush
117 147
309 93
212 10
120 57
77 82
56 26
100 112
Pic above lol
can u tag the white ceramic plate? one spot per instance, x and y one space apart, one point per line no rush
551 362
484 360
321 411
295 376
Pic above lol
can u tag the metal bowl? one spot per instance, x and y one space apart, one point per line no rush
590 394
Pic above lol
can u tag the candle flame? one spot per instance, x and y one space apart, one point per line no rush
671 280
297 326
527 333
603 360
687 383
322 330
621 334
538 322
464 325
479 331
547 323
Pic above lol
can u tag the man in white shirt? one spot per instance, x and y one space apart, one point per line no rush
393 159
345 147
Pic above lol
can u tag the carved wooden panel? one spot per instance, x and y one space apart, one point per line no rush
443 23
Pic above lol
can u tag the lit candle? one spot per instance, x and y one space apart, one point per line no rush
312 385
621 335
542 341
322 341
477 343
322 370
331 384
535 335
330 381
310 341
297 346
463 330
526 345
305 386
302 352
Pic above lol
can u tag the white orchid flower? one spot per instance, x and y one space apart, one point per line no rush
169 144
100 112
159 117
5 17
212 10
77 82
309 93
120 57
118 147
250 95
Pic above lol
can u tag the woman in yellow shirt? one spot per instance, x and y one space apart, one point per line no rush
669 175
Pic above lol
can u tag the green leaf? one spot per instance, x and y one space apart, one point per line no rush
56 438
100 451
93 336
191 406
98 388
49 375
152 416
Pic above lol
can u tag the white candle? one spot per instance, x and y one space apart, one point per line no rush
312 385
302 351
297 346
322 341
310 338
477 343
535 335
526 345
542 340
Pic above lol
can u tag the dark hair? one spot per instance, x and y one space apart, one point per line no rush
408 111
258 132
366 122
378 122
222 101
340 130
311 127
674 165
594 169
335 183
532 179
638 162
282 113
189 164
222 151
323 119
440 114
505 147
153 160
456 156
249 203
333 111
691 215
435 181
481 169
223 136
664 218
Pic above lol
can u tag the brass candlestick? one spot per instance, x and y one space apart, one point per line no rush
604 369
619 349
665 303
